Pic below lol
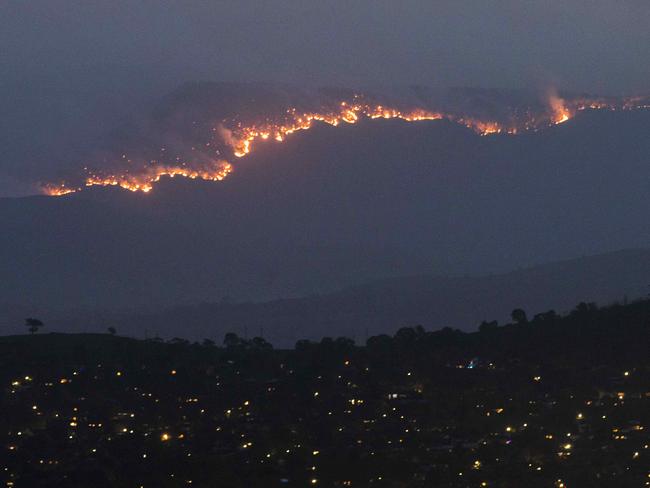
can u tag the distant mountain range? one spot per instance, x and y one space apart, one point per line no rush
378 307
339 206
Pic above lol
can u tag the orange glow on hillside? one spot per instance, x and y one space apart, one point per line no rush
144 180
348 113
560 112
240 138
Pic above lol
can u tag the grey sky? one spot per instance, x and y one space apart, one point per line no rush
70 70
594 45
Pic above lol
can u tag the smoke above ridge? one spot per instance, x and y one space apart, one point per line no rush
202 130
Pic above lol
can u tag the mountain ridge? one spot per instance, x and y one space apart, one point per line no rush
335 207
382 306
342 206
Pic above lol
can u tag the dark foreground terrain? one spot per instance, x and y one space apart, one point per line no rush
547 401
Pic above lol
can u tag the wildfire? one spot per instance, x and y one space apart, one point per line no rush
348 113
54 190
240 137
144 180
560 112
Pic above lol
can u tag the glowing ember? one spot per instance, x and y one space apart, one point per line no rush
54 190
144 180
242 139
558 107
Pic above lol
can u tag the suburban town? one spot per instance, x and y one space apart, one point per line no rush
554 401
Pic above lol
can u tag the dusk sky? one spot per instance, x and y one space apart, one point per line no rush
595 45
71 71
326 243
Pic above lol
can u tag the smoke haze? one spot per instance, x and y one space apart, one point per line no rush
71 71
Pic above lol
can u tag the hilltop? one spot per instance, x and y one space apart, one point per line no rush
333 208
566 394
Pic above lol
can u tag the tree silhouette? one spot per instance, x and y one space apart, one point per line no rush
112 331
231 340
33 325
488 326
261 344
549 316
344 342
519 316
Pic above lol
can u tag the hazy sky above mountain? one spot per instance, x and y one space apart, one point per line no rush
70 70
586 44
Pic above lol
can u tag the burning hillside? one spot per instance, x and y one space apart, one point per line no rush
211 137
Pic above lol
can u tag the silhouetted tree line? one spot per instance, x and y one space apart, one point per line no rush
583 330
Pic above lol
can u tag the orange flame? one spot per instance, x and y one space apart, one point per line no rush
54 190
242 137
144 180
560 112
